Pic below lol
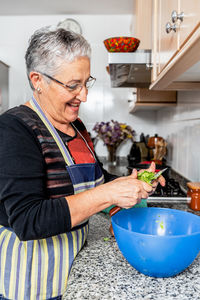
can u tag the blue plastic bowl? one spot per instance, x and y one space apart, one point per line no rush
158 242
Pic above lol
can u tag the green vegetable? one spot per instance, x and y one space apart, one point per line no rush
146 176
161 225
106 239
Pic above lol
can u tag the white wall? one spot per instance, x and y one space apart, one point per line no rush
104 103
181 128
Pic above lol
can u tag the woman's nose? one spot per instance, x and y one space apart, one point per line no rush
82 96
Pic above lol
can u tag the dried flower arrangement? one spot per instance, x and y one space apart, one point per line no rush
113 133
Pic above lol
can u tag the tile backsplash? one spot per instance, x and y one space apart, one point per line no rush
180 126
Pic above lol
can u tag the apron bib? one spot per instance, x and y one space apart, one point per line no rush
39 269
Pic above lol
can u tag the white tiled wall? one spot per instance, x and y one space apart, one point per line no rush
181 127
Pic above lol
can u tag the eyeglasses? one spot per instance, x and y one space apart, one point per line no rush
74 88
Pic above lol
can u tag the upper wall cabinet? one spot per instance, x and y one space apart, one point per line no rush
176 45
151 100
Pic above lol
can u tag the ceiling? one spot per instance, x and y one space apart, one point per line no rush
49 7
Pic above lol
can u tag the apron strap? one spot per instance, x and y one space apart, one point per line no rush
52 130
66 155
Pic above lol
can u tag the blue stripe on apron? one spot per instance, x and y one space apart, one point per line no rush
71 249
29 252
39 270
8 263
61 266
51 262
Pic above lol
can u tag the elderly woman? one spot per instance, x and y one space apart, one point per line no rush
50 179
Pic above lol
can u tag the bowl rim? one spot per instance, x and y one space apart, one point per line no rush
153 235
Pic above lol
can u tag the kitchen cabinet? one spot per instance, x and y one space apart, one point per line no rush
144 98
4 71
151 100
171 42
176 54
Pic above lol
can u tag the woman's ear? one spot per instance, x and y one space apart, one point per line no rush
35 79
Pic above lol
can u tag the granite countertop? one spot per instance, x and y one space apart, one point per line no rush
100 272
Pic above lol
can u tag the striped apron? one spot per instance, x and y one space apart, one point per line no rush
39 269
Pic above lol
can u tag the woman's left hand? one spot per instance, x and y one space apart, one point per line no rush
160 179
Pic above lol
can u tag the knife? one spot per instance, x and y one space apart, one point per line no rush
158 174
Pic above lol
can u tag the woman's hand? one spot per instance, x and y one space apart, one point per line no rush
160 179
127 191
124 192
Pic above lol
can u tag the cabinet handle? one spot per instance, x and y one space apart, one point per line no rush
175 16
169 27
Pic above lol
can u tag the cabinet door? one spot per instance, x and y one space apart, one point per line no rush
143 28
168 42
191 10
146 96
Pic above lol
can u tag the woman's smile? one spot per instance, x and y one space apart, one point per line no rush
74 106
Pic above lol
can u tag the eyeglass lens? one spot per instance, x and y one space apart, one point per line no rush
90 83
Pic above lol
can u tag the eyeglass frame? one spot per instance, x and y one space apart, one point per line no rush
68 86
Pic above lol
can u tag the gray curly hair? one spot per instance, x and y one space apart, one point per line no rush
49 48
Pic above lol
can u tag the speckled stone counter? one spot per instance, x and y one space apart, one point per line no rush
100 272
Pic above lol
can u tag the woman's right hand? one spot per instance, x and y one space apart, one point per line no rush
126 191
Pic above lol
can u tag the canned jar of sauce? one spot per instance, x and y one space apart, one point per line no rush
194 194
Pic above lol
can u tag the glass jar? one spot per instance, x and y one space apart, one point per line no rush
194 194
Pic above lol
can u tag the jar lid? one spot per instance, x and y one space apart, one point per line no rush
194 185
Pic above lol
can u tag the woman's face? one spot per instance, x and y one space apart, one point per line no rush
58 102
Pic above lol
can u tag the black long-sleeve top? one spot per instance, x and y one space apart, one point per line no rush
33 176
